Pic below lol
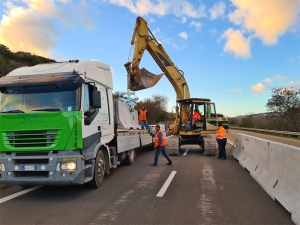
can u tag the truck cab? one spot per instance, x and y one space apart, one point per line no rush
53 117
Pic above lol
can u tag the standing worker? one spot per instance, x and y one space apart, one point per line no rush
222 140
143 113
160 145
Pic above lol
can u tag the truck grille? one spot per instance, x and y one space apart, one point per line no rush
37 138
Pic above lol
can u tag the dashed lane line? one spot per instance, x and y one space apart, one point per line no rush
166 184
18 194
186 151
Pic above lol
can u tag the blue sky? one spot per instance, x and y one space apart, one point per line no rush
231 51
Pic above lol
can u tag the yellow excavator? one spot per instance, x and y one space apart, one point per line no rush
186 129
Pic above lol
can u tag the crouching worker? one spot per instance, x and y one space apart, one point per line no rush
160 144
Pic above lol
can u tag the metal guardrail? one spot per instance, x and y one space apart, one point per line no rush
276 132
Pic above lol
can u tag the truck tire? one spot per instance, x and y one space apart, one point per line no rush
99 170
129 157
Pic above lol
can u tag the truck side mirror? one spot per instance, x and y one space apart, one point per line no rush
96 100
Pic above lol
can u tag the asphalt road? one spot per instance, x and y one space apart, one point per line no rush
204 190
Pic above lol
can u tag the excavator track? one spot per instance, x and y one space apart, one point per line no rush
209 146
172 146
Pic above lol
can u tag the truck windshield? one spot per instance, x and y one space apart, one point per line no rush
54 97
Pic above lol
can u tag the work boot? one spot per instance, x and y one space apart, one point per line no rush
169 163
153 164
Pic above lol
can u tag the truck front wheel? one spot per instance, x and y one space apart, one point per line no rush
99 170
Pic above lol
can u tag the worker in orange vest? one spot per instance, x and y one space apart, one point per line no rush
143 113
160 144
222 140
196 118
196 115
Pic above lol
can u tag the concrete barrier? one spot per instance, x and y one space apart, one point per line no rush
275 166
124 118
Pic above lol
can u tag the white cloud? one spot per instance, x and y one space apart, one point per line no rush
151 20
180 8
268 21
183 19
157 30
197 25
295 84
290 61
31 28
217 10
259 88
279 77
213 31
236 43
184 35
169 41
236 90
268 80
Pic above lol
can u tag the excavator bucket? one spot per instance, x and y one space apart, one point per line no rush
143 79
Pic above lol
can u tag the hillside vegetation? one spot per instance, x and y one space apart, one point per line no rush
11 60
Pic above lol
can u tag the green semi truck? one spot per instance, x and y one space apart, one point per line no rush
59 125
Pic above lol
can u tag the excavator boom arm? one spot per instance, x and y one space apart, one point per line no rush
144 40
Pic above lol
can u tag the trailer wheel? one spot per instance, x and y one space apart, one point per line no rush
99 170
130 157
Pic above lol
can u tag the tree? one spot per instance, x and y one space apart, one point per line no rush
3 66
285 108
12 60
156 106
247 121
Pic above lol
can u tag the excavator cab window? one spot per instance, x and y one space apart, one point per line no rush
189 118
211 111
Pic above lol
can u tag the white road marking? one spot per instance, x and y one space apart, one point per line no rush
18 194
186 151
166 185
170 136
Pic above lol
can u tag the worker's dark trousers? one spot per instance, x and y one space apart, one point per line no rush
161 149
222 144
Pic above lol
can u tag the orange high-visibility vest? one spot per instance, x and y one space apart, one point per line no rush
196 115
221 133
143 114
163 141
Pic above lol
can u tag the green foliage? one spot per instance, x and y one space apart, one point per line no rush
156 106
283 112
246 122
10 60
284 106
233 121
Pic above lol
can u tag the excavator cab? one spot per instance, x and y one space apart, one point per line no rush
196 116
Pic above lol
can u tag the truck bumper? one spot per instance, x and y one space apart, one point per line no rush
41 168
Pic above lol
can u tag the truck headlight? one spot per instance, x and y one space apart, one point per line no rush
68 166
